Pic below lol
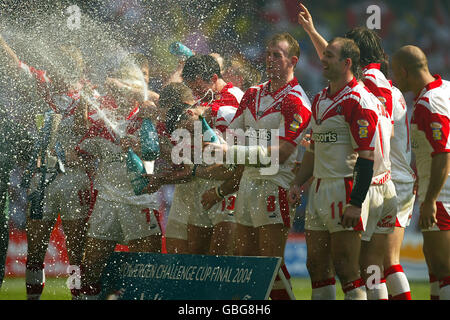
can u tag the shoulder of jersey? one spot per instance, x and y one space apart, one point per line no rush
377 77
236 93
437 99
297 93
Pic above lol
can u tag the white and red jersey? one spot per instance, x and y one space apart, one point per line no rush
400 143
342 124
224 106
382 160
377 83
287 110
112 178
430 125
64 103
381 88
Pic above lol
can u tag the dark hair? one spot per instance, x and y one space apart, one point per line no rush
350 50
172 98
294 48
203 66
369 43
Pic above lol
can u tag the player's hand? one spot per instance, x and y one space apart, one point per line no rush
306 141
154 183
210 198
216 148
294 195
129 142
351 216
305 19
148 110
427 217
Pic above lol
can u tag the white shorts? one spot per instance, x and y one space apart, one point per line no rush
405 203
68 195
180 209
381 205
122 222
220 212
262 202
326 202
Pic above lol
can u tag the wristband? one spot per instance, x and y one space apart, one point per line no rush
362 178
219 192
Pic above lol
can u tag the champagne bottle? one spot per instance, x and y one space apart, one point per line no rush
179 49
136 169
149 141
208 133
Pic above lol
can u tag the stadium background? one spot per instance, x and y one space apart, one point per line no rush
239 28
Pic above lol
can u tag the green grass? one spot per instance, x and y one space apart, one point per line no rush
56 289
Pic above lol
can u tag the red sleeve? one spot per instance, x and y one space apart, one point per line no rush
362 122
435 126
296 119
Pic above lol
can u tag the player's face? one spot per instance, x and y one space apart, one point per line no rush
199 86
333 65
278 63
400 76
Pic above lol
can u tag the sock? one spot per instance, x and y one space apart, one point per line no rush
397 283
279 291
355 290
434 287
90 292
324 290
444 289
377 292
35 280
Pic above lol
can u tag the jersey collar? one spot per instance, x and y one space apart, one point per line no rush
432 85
351 84
373 66
265 91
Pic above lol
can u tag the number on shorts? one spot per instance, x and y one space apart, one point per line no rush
341 209
271 203
231 202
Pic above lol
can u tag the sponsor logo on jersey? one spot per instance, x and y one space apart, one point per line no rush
437 134
386 222
324 137
436 130
262 134
363 132
295 125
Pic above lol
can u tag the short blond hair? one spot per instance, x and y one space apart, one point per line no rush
294 47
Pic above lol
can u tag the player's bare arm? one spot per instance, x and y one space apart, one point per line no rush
440 168
306 21
8 52
214 172
303 175
215 195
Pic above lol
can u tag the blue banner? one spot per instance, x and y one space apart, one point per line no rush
152 276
